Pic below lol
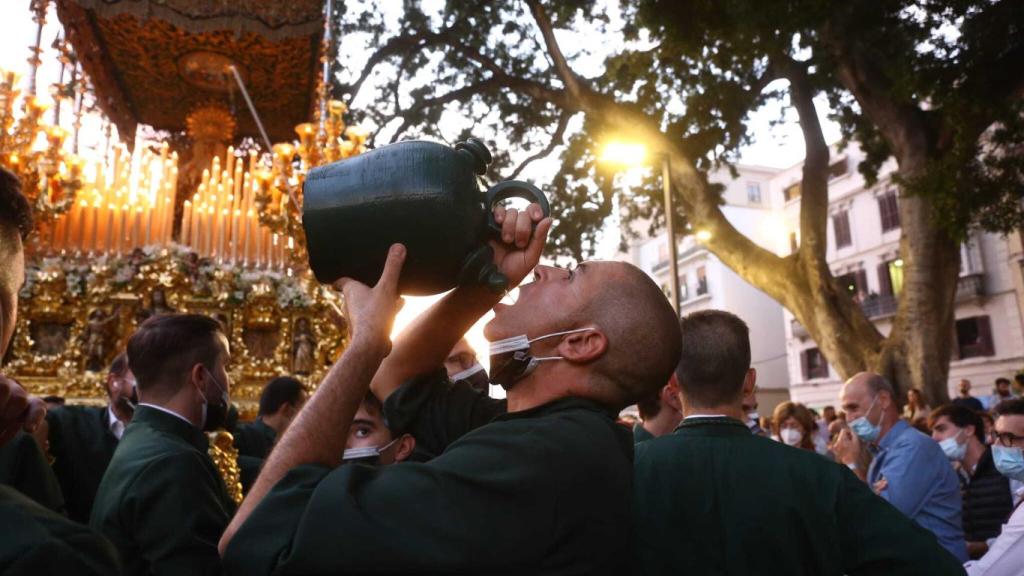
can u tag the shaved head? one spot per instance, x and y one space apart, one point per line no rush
644 341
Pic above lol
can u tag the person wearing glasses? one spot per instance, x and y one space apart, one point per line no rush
1005 554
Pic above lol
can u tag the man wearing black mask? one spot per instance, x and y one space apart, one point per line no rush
162 502
83 439
462 366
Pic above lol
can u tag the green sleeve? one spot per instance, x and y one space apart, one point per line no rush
39 541
23 466
178 514
438 412
877 539
487 507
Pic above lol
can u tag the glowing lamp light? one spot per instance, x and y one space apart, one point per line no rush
898 263
703 235
624 153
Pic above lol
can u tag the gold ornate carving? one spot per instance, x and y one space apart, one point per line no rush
260 310
225 457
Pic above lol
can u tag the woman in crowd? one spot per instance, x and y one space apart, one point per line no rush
793 424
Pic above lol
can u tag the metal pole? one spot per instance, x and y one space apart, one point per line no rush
252 109
673 259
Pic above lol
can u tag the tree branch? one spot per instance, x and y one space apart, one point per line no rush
566 73
556 139
453 95
814 179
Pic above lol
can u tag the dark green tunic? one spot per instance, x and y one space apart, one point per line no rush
712 498
254 439
38 542
640 434
542 491
162 502
23 466
82 444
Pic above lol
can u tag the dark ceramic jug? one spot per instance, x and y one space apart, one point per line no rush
422 194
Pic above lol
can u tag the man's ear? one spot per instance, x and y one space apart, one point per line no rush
583 347
670 394
198 376
750 382
405 445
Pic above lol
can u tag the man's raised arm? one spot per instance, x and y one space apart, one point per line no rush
319 432
425 343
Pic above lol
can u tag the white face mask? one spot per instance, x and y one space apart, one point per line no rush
366 452
953 449
791 436
511 360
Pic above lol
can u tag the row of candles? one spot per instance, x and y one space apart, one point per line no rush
129 203
126 204
221 222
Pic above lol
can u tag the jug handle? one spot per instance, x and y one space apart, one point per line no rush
512 189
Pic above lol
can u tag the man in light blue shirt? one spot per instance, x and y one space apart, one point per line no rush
909 469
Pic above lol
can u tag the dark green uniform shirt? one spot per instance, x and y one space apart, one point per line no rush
541 491
712 498
81 444
23 466
640 434
162 502
37 541
254 439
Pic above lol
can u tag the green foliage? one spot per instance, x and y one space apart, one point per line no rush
698 69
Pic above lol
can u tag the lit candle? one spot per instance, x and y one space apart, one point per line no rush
186 221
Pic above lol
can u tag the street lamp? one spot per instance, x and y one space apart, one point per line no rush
634 154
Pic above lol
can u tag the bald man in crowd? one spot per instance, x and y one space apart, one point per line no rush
543 489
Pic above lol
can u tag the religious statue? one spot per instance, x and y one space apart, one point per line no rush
157 306
97 338
303 348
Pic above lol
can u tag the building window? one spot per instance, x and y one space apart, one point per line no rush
791 192
702 281
890 277
814 364
794 244
889 210
973 338
837 169
855 284
753 192
841 228
666 290
684 290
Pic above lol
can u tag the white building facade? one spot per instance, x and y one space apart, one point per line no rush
706 283
863 253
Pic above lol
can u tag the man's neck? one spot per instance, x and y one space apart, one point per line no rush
888 421
732 411
272 421
664 423
975 450
179 407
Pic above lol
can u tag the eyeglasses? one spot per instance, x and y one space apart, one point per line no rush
1005 438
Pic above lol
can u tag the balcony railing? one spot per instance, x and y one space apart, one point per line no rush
970 286
879 305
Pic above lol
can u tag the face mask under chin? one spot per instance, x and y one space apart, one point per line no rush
511 360
215 414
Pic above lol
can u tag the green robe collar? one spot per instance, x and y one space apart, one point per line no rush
560 405
168 424
720 425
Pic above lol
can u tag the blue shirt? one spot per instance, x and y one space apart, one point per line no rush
921 484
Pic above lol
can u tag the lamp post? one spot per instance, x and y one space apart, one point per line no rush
629 154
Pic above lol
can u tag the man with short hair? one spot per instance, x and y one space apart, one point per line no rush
280 401
543 489
965 399
1001 392
696 510
987 500
1005 555
372 441
82 439
909 469
660 413
162 501
35 540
